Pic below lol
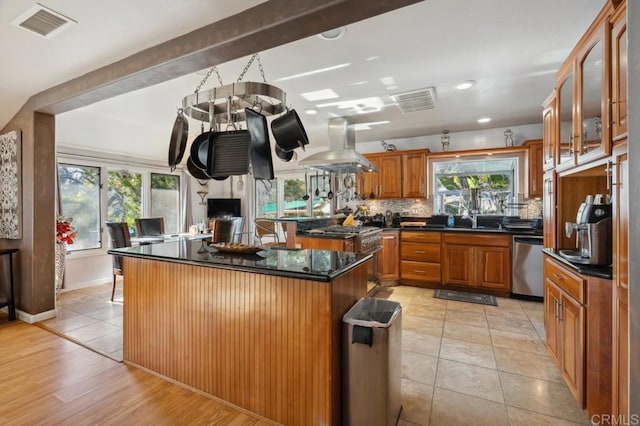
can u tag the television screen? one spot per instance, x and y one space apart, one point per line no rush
220 207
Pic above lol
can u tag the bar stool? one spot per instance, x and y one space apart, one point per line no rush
11 301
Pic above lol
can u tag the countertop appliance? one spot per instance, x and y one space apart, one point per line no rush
526 272
593 232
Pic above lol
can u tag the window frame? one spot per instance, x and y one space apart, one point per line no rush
110 165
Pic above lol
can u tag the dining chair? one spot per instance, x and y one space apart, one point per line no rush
149 226
227 229
267 228
118 237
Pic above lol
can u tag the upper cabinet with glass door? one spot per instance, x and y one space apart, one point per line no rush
619 74
593 133
565 156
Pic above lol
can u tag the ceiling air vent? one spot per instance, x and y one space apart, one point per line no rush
43 21
416 100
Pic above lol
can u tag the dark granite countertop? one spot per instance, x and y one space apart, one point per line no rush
592 270
315 265
480 229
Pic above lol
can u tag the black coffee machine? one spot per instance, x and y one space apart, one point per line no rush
396 220
593 232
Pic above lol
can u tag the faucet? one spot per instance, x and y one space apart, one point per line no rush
474 221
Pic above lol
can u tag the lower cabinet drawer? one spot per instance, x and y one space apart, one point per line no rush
567 280
420 252
422 271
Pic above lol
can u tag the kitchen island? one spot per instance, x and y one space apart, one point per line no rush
260 331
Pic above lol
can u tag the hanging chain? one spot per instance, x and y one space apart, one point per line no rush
206 77
246 68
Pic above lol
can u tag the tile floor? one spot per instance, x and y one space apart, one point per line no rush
89 317
462 363
470 364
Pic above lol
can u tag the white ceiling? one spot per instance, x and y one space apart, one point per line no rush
512 48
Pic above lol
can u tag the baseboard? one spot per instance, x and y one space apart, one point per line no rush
91 283
31 318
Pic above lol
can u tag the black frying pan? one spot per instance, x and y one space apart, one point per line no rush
200 150
195 171
261 161
178 143
283 155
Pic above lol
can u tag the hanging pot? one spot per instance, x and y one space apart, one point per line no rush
261 161
200 150
178 143
195 171
289 132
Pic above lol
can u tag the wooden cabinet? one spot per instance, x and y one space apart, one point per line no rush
565 322
414 175
549 131
389 259
620 307
401 174
480 261
565 156
420 257
386 182
549 209
592 131
535 155
619 73
325 243
578 333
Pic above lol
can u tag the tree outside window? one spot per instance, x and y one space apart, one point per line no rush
80 199
124 199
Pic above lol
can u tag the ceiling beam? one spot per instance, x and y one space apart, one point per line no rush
267 25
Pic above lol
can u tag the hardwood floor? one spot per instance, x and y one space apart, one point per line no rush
46 379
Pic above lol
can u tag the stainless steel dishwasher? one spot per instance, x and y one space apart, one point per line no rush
527 266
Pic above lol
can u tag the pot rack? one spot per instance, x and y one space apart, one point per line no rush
226 104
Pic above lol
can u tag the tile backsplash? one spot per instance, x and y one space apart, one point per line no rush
531 208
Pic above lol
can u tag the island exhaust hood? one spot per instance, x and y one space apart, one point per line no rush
342 156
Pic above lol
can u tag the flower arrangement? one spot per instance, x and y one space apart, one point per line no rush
65 232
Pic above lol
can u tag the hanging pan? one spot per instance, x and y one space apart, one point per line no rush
261 161
289 132
200 150
195 171
178 143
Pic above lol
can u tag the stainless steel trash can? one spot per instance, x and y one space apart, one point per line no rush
371 363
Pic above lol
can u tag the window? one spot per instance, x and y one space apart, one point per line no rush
124 198
284 197
476 187
165 200
80 199
267 198
129 194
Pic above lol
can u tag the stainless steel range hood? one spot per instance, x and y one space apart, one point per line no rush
342 156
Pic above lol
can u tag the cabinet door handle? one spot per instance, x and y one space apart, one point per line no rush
560 310
419 271
419 251
555 309
558 277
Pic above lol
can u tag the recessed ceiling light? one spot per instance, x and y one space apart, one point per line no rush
387 81
484 120
359 83
333 34
466 85
319 95
360 106
318 71
372 58
310 111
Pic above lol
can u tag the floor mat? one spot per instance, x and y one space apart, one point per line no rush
463 296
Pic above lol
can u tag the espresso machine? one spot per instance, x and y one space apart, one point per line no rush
593 232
